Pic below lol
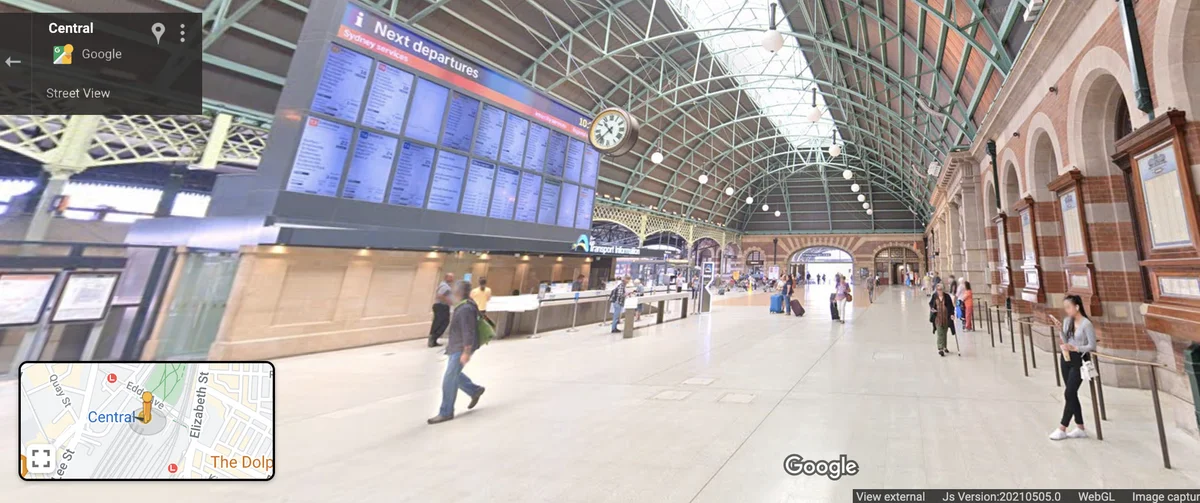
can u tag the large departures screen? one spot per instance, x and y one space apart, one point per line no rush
397 119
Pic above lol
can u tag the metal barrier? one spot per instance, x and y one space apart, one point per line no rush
1098 411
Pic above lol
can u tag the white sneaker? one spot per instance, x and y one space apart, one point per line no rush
1077 433
1058 434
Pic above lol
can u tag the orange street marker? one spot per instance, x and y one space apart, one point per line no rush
147 401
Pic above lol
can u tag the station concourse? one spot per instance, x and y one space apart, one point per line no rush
686 250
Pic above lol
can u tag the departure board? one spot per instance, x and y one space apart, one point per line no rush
556 154
591 167
512 151
504 198
527 197
447 181
366 180
339 92
548 208
491 131
535 147
390 117
478 191
412 175
460 122
566 205
583 212
317 168
388 99
574 161
428 107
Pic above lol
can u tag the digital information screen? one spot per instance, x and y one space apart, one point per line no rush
583 212
401 121
104 418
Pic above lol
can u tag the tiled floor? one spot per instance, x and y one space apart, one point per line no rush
703 409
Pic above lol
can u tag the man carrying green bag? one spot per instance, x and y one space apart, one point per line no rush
468 331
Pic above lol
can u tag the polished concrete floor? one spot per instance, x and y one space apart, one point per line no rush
704 409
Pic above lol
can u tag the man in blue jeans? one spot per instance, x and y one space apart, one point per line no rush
464 337
617 300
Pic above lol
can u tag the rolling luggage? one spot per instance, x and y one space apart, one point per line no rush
833 306
776 303
797 309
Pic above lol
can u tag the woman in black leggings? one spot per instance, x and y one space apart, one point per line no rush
1078 341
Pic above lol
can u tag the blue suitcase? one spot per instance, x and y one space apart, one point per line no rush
777 303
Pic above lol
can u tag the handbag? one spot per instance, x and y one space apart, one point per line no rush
1088 370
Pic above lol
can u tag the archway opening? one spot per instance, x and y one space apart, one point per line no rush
669 242
1105 119
1045 166
1012 188
706 250
819 264
893 264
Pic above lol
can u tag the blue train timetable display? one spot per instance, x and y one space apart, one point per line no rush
556 154
447 181
504 198
548 208
491 131
535 147
512 151
460 122
527 197
583 212
388 100
366 180
320 157
566 205
339 92
478 191
428 107
591 167
412 175
574 161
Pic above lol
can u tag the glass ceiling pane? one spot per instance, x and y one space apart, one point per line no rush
779 83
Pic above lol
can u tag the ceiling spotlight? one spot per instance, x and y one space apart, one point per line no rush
847 174
729 191
765 207
772 40
835 150
866 206
750 200
776 212
870 211
854 188
656 157
703 179
861 198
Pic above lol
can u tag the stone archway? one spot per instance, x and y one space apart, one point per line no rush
1011 183
1043 159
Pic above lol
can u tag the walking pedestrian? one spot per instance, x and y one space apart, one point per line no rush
1078 340
441 310
842 293
940 306
968 300
464 338
616 300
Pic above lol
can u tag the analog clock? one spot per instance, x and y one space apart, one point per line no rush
614 132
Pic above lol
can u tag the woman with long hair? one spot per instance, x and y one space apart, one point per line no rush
968 300
1078 341
842 292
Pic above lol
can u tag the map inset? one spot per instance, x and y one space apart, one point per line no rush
147 420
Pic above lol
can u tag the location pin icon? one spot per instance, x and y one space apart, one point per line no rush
158 29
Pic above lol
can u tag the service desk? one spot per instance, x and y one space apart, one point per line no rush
532 314
658 300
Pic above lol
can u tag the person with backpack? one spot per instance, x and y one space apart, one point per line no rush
616 300
464 339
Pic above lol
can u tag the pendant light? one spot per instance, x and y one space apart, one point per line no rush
657 156
765 207
703 179
772 40
866 206
814 115
847 174
862 198
776 212
854 188
835 149
870 212
750 200
729 191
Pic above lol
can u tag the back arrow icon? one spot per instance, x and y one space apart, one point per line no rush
9 61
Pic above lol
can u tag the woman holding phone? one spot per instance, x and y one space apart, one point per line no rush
1078 341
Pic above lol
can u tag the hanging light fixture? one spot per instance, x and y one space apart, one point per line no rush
835 149
765 207
657 156
866 206
814 115
750 200
776 212
847 174
861 198
870 211
703 179
854 188
772 40
729 191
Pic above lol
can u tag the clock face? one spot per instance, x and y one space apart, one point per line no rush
609 129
